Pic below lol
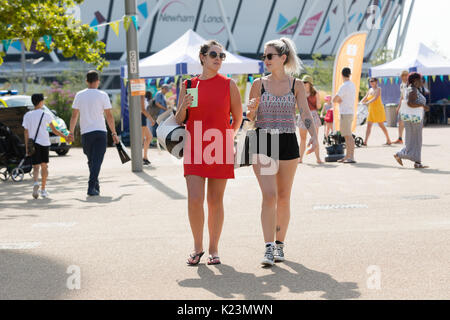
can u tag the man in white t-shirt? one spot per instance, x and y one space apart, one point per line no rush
346 98
90 105
35 123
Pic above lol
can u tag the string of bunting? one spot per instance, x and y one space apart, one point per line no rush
115 26
397 79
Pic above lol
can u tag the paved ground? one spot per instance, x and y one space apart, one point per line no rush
353 229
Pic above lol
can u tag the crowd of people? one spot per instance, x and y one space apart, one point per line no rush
278 104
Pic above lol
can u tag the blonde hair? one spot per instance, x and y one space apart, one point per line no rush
285 46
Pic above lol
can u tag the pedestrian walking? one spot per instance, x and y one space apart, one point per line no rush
376 111
208 166
35 123
327 109
412 114
161 103
147 136
313 98
346 97
90 105
403 89
273 101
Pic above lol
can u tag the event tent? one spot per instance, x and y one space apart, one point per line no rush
423 60
181 57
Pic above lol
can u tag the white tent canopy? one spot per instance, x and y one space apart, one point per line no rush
423 60
181 57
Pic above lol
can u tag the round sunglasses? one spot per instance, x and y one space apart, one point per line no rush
213 55
269 56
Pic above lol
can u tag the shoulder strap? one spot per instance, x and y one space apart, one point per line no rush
262 86
39 126
188 83
293 87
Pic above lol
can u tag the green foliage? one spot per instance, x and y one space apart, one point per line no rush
33 19
382 56
322 72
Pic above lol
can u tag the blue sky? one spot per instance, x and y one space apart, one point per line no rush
430 24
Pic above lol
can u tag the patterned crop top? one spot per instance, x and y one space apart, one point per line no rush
276 113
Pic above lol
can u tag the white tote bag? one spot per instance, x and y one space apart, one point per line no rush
171 136
414 115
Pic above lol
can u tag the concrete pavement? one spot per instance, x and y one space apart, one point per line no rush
373 230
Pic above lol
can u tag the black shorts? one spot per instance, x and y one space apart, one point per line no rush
143 120
287 145
40 155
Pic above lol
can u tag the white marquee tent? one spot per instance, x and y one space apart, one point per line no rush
181 57
423 60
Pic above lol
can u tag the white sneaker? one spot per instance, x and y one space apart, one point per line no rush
279 253
36 190
268 259
44 194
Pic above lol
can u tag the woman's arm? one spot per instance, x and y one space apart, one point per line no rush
184 102
236 106
254 94
377 93
412 98
144 111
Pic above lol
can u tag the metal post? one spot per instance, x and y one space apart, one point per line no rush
134 102
397 43
227 26
344 8
405 28
22 58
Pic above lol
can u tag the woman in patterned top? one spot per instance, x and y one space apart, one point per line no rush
413 124
272 104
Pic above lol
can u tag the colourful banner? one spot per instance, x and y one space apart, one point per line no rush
143 9
351 55
27 43
6 44
126 22
115 26
135 22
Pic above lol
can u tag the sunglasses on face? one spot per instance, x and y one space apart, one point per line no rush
269 56
213 55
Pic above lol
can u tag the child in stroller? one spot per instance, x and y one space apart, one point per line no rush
13 161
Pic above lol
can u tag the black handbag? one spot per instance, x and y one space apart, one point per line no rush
31 142
123 154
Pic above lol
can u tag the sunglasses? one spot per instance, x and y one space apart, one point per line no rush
213 55
269 56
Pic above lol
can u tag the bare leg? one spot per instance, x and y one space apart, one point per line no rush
303 134
350 147
36 172
285 179
216 190
317 151
401 127
268 185
383 128
146 140
368 131
196 197
44 175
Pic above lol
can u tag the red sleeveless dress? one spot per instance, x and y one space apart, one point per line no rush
209 146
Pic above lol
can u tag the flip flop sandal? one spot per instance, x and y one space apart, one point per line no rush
399 160
341 160
419 166
213 260
194 259
349 161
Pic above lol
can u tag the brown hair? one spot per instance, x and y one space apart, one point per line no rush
206 46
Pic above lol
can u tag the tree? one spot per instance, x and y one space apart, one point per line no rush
382 56
35 19
321 71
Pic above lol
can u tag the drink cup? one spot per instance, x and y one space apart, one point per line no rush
194 93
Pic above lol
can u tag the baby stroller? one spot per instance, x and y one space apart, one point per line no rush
13 161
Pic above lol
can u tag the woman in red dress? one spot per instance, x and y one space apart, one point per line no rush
209 146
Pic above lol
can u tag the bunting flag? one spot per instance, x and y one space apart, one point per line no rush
396 80
125 81
17 45
135 22
385 80
143 9
442 78
391 80
126 22
6 44
157 82
434 78
27 43
426 78
115 27
47 40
